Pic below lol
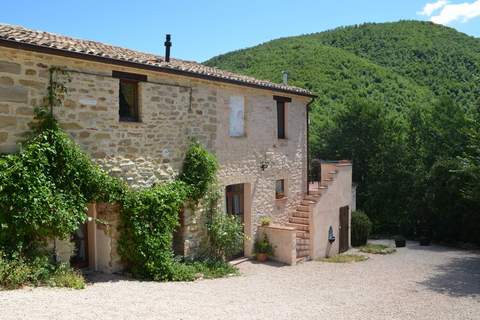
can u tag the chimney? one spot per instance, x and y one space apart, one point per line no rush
285 77
168 44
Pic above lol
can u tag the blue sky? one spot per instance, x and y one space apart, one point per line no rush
204 28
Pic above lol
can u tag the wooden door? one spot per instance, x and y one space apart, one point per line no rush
344 229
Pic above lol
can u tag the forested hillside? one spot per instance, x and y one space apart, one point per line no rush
402 101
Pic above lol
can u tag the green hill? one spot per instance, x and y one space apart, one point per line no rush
392 63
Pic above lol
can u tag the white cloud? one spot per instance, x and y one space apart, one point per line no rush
454 12
430 8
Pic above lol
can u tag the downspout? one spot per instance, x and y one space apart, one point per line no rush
308 145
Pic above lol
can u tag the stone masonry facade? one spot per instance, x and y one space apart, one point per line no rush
173 109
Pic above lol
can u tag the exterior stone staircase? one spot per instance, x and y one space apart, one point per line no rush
300 218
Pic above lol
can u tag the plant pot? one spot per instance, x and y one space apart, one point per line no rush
400 243
424 241
262 257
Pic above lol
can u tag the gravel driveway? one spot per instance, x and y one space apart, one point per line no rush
413 283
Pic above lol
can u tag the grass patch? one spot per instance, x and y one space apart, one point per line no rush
377 249
344 258
191 270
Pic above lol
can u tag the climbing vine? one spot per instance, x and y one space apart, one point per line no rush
45 189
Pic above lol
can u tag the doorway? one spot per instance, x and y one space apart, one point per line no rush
344 229
79 259
235 203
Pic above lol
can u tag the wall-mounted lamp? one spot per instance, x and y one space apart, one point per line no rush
331 236
264 164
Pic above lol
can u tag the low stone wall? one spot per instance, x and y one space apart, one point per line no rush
283 240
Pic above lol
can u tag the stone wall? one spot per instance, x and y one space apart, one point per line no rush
173 109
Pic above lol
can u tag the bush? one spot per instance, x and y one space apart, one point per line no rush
17 271
225 236
199 170
148 220
361 228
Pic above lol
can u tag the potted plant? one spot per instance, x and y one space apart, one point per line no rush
265 221
400 241
263 249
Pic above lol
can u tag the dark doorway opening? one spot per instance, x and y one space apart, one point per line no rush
79 238
235 201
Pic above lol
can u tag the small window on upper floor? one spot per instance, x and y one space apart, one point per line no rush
128 100
280 189
128 95
237 116
282 116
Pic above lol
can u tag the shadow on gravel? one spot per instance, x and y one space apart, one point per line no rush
98 277
459 278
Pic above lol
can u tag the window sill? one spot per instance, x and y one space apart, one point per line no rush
281 199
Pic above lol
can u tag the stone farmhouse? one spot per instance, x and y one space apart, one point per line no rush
134 114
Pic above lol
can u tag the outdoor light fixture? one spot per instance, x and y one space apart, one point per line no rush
331 236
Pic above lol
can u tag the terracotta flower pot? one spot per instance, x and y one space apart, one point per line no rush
262 257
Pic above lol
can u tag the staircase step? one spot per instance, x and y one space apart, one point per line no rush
301 207
307 202
297 220
301 247
316 192
302 241
300 227
314 198
302 234
301 214
303 253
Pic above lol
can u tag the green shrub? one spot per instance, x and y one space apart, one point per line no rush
361 228
17 271
264 246
225 236
199 170
148 220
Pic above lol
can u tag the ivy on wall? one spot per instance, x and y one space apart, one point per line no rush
45 189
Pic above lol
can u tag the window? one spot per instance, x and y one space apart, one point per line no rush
280 119
280 189
128 100
237 116
281 116
128 95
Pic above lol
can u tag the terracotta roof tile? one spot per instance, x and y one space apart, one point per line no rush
40 39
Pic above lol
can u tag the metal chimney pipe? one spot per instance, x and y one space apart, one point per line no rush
168 44
285 77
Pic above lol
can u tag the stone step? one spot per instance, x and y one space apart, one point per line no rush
297 220
307 202
300 214
315 192
302 241
302 234
304 208
299 227
303 253
303 259
312 197
301 247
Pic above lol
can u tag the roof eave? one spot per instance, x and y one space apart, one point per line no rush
125 63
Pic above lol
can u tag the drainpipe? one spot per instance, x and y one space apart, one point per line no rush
308 148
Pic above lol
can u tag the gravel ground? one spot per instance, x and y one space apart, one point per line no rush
413 283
